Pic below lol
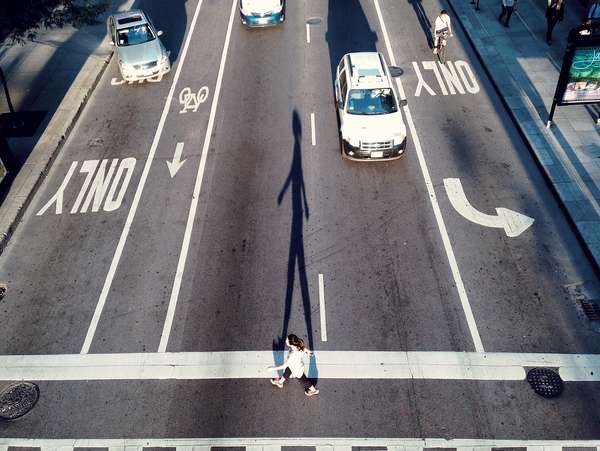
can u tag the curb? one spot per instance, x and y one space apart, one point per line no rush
34 170
578 234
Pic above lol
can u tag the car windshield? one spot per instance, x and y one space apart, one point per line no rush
134 35
371 101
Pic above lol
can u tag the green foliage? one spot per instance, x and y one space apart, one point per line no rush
21 19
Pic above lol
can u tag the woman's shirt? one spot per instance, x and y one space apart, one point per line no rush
295 362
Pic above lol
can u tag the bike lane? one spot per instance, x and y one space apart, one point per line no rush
132 317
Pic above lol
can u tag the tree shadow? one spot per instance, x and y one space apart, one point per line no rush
296 260
45 90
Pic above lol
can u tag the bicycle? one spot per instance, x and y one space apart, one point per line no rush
441 46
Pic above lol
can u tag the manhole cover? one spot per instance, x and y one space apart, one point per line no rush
2 291
545 382
313 21
17 399
396 71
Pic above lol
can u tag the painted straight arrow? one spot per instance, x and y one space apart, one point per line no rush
512 222
177 162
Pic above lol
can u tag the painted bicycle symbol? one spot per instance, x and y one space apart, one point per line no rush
192 100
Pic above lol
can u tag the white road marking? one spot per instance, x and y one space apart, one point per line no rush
308 33
58 196
192 100
164 338
462 293
322 443
331 365
138 193
512 222
322 308
313 130
177 162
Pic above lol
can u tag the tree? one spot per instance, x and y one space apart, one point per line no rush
21 19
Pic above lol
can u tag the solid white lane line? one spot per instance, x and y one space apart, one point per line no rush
322 308
164 339
313 130
356 365
138 193
308 33
462 293
323 443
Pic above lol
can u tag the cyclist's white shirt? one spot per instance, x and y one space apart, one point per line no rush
442 22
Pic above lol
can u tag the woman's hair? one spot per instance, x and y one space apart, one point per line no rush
295 341
443 11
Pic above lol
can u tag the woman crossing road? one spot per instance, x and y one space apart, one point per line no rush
294 365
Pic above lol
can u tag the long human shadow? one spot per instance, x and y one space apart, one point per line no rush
294 184
423 20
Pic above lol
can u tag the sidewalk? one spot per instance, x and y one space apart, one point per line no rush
55 74
525 70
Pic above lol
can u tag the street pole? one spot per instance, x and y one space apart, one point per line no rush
6 93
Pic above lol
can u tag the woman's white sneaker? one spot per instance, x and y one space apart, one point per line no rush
277 382
312 392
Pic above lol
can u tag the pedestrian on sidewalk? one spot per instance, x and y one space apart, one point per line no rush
294 365
594 11
555 12
508 6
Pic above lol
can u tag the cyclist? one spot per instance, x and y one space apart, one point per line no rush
441 26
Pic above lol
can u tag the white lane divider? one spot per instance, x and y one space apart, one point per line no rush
164 339
462 293
357 365
322 308
313 130
138 193
308 33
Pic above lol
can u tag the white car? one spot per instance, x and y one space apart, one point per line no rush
371 124
262 13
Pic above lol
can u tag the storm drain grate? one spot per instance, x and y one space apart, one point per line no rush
17 399
591 310
545 382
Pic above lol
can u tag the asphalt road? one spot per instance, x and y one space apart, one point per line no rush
230 248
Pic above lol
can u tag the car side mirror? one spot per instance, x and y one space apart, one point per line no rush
159 33
403 102
112 43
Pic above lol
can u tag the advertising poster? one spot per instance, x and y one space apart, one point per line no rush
583 83
3 171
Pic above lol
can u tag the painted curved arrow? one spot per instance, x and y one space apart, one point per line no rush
512 222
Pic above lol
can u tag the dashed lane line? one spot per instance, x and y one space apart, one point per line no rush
313 130
329 364
322 311
462 293
138 193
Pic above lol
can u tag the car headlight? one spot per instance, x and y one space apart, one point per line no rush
164 58
398 138
125 66
354 142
